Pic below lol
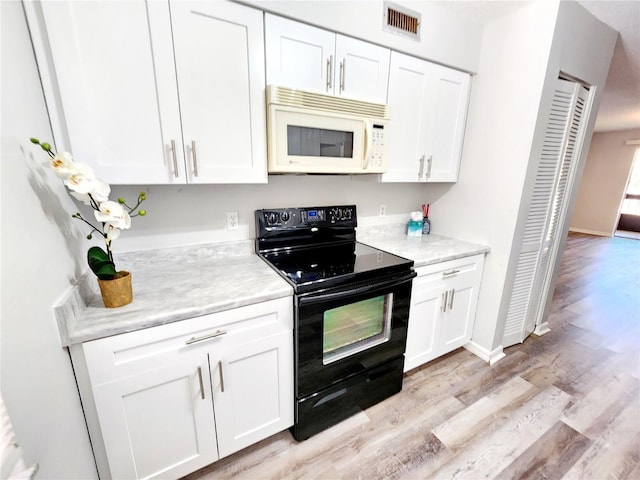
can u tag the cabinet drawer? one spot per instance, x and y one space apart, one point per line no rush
468 267
132 353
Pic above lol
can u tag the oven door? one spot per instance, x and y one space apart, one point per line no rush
340 334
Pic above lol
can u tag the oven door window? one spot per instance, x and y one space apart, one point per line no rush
352 328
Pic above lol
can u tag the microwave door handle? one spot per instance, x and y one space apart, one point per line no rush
368 137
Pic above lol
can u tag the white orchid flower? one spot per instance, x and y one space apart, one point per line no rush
114 214
81 179
112 232
99 192
63 165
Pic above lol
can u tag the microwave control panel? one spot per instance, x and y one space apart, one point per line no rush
377 147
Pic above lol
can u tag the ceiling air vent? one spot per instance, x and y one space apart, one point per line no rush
401 20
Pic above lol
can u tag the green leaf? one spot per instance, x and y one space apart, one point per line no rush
100 264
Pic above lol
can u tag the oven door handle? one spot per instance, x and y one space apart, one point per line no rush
323 297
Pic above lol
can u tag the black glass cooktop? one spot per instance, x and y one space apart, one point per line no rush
327 266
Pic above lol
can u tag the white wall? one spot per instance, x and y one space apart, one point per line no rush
40 250
522 56
484 204
197 213
604 182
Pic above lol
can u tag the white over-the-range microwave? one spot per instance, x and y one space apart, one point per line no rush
315 133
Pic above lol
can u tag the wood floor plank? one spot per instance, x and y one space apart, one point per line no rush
551 456
496 450
615 452
592 414
485 414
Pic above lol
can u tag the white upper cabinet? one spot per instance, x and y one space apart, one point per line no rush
310 58
428 106
219 52
120 101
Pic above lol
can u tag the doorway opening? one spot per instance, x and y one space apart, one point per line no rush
629 219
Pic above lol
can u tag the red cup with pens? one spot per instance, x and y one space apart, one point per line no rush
426 223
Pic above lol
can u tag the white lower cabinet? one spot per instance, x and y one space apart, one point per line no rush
443 306
168 400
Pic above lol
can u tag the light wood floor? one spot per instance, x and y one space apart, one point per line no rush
563 405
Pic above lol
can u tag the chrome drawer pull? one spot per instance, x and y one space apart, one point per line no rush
221 377
195 160
175 160
451 299
452 272
201 383
444 301
205 337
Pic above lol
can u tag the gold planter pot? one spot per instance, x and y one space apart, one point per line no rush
116 292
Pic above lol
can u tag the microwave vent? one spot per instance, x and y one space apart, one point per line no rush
401 20
326 103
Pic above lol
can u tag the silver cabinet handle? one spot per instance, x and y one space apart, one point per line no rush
205 337
329 73
195 160
175 160
421 171
221 377
444 301
201 383
453 291
342 63
450 272
429 162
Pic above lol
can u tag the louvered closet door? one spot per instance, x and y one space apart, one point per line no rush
547 207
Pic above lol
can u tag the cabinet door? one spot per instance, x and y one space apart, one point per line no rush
253 390
409 101
159 424
299 55
96 62
422 333
362 70
219 52
447 123
457 316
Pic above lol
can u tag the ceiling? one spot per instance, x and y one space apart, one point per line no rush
620 105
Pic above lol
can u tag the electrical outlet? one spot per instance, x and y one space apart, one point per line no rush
232 220
383 209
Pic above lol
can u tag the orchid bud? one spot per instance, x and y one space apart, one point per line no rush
45 146
142 213
89 237
35 140
143 196
121 200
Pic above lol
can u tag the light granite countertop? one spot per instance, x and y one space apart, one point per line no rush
423 250
175 284
170 285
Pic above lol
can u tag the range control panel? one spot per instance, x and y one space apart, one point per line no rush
286 218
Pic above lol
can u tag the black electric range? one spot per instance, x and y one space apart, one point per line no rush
351 308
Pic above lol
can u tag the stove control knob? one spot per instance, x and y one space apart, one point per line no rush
285 217
271 218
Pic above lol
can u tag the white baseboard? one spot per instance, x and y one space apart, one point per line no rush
491 357
542 329
590 232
